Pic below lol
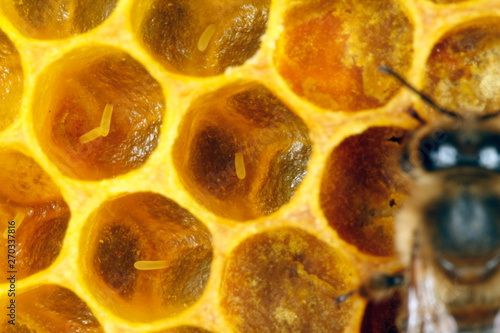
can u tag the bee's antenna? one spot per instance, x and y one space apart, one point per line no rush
416 116
376 284
423 96
342 298
489 116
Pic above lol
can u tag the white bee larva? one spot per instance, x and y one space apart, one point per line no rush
239 163
91 135
205 37
145 265
106 119
103 129
18 219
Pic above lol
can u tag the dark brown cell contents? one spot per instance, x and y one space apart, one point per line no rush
363 187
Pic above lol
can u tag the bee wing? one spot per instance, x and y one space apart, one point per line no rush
426 312
496 324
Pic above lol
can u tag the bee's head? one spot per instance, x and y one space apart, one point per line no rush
464 143
460 213
441 149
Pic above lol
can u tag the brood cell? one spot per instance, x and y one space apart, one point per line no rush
241 152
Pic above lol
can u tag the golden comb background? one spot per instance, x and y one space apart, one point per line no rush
291 87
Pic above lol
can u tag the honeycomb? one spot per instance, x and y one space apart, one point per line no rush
217 165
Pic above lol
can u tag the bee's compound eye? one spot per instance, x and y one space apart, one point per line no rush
461 148
444 156
437 156
489 158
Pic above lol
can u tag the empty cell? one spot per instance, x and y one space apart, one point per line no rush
363 187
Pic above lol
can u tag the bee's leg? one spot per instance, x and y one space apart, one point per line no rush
381 285
402 319
378 286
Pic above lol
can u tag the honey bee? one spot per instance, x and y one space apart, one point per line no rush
448 230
